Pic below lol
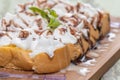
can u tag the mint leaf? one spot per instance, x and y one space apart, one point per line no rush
39 11
54 23
51 16
53 13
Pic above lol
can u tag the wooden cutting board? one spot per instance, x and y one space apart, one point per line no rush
105 56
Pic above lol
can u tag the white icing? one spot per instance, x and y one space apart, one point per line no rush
13 28
60 9
111 36
8 17
89 62
19 22
5 40
82 16
80 26
45 45
27 18
70 2
18 8
1 28
94 54
25 43
44 24
41 44
95 23
66 37
100 10
90 12
102 50
88 9
31 21
85 32
68 14
80 70
84 71
13 34
83 58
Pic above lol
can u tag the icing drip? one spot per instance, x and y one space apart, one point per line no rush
80 70
5 40
89 62
66 37
84 71
111 36
45 45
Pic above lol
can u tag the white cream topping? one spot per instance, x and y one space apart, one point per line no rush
89 62
66 37
95 23
88 9
82 16
60 9
1 28
25 43
80 26
19 22
111 36
5 40
84 71
8 17
90 12
85 32
13 34
44 43
68 14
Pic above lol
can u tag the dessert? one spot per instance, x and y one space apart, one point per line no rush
45 35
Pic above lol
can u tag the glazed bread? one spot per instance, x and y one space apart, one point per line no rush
45 36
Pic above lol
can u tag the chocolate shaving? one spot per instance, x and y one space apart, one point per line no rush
73 31
62 30
4 23
78 7
22 7
72 20
24 34
38 32
2 34
39 23
69 8
49 33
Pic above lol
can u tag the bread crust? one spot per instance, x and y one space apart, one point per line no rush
105 24
75 51
16 56
5 56
44 64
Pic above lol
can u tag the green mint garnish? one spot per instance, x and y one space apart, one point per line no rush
50 16
53 24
